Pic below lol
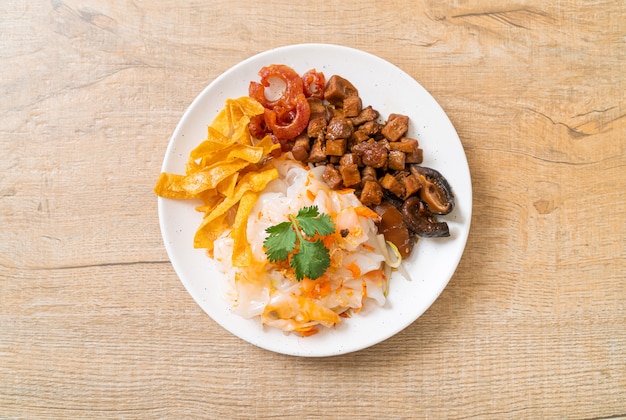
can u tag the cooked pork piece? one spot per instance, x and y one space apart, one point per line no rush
416 156
372 193
352 106
367 114
372 153
396 160
350 175
316 127
317 107
337 89
318 151
368 174
350 159
391 183
301 148
411 185
332 177
397 125
371 128
359 136
406 145
337 147
339 128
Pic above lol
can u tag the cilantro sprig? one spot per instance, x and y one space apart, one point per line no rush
294 241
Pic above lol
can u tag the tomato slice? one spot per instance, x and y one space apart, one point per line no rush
314 84
284 130
257 92
293 86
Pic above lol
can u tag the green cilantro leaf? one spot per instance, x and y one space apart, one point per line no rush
280 242
304 212
287 242
312 260
322 225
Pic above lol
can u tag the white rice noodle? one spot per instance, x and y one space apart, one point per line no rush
271 292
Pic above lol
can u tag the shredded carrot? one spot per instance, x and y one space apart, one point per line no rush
317 289
309 333
346 191
355 270
310 195
375 275
329 240
363 296
368 247
367 212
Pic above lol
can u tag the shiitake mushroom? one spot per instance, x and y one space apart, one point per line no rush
435 192
421 221
402 220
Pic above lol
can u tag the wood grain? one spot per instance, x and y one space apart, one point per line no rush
94 322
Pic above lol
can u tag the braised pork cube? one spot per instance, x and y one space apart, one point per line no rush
352 106
371 128
411 185
416 156
397 125
350 159
301 148
338 89
368 174
337 113
316 106
410 147
391 183
359 136
367 114
332 177
406 145
350 175
316 127
396 160
337 147
318 150
339 128
371 153
372 193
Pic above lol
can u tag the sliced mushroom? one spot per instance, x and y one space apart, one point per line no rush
435 191
421 221
393 228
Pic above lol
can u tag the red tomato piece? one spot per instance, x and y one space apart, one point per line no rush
257 91
297 124
314 84
293 85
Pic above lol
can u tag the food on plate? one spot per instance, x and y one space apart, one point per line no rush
226 172
348 239
309 199
299 241
376 159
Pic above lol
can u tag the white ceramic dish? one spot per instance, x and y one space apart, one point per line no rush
433 261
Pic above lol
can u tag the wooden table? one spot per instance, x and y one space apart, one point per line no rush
94 323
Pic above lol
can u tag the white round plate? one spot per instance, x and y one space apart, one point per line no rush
432 262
